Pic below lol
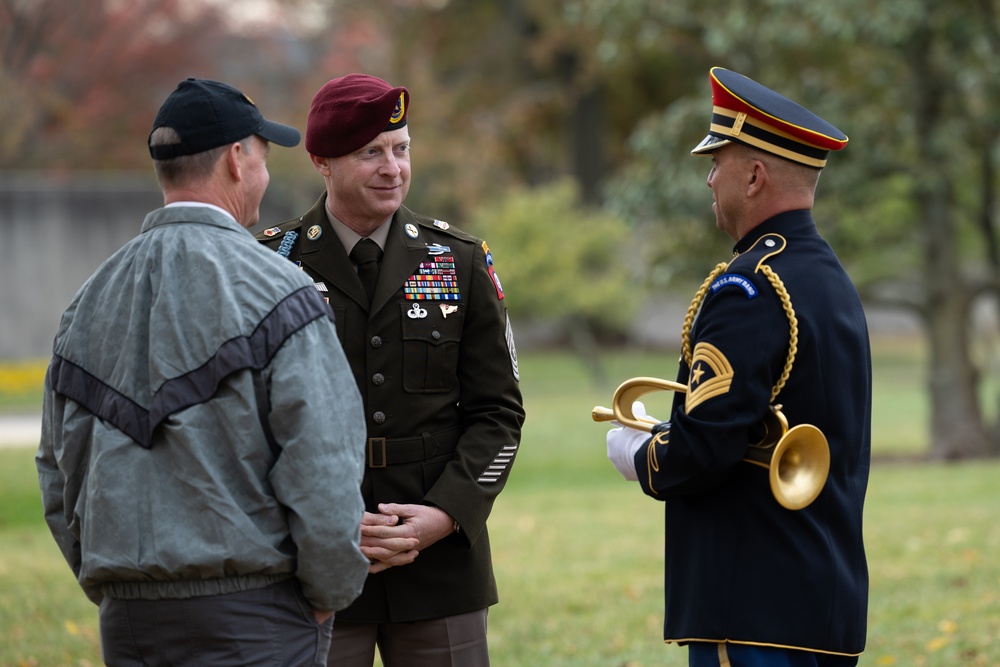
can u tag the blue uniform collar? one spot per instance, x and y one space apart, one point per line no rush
789 223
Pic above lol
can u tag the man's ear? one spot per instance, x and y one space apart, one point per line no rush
322 164
233 159
758 178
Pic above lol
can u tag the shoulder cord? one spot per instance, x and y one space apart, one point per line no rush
285 247
786 304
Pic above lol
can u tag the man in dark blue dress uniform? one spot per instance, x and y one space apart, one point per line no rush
777 329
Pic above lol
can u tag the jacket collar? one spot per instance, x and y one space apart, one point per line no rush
325 256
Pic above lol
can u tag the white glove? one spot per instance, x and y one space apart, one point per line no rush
624 442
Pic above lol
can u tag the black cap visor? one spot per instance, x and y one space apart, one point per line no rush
709 144
276 133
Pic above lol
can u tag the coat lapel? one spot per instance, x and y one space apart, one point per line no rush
403 254
325 256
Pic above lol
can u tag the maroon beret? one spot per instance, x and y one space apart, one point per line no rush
349 111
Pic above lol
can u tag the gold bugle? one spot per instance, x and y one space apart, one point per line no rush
797 459
629 392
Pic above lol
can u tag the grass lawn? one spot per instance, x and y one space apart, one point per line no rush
578 551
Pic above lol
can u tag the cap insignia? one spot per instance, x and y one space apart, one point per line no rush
738 124
397 113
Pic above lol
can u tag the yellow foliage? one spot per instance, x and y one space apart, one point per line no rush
22 377
937 643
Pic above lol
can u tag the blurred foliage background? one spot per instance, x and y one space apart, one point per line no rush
561 130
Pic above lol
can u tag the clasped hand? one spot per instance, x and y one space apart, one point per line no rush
397 534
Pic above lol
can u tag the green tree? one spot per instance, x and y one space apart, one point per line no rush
914 83
566 264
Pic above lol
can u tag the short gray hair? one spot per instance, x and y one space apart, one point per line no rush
187 169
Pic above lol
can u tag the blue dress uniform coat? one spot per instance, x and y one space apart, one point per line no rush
740 567
437 370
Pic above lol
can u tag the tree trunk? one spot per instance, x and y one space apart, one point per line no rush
957 427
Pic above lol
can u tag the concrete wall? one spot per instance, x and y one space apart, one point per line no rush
54 234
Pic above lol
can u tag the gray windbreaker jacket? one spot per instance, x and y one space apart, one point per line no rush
156 474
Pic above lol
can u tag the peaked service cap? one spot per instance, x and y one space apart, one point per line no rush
351 110
208 114
746 112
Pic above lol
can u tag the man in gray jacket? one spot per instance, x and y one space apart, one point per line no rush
202 437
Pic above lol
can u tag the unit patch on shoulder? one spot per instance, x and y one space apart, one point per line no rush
491 271
711 375
509 335
734 279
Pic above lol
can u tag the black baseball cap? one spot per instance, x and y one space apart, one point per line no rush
208 114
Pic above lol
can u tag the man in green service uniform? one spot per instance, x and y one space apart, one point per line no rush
421 314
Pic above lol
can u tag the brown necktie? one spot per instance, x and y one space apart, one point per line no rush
366 254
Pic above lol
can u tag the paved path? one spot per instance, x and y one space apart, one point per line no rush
20 430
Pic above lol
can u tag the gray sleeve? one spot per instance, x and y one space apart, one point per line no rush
318 422
56 490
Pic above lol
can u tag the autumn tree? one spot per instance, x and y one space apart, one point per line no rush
82 81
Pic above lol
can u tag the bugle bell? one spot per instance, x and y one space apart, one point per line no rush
797 459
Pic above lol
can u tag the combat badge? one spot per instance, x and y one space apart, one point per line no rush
437 248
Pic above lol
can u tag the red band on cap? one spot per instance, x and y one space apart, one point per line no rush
727 99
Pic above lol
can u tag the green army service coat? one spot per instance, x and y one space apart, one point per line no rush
434 359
